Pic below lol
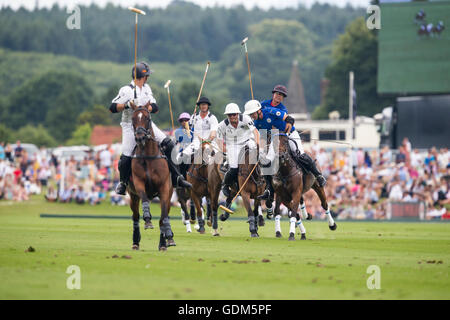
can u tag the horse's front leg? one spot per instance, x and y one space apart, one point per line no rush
215 224
134 205
164 223
277 217
258 213
305 214
294 204
253 227
198 206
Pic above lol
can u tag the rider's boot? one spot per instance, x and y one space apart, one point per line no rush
178 180
310 165
125 173
269 192
228 180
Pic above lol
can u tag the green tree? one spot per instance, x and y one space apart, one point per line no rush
98 115
355 50
35 135
54 99
81 135
5 133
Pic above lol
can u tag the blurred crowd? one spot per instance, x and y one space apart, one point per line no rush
360 183
89 180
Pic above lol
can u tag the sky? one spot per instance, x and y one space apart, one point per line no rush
263 4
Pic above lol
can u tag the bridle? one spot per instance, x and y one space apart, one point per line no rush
143 134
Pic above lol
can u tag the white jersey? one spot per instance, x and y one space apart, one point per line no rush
239 135
126 94
203 126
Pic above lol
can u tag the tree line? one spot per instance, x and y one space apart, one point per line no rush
65 100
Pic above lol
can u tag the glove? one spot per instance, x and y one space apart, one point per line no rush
288 128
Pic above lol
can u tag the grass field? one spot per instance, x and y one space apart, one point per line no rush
413 259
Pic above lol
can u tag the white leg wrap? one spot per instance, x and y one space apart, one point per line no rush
292 222
278 223
188 226
329 218
303 211
301 227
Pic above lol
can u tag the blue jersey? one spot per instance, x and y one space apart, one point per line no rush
272 118
268 103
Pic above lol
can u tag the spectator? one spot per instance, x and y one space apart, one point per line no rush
51 195
18 150
2 151
80 196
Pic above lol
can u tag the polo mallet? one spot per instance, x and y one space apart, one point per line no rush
166 86
137 11
242 187
201 87
244 43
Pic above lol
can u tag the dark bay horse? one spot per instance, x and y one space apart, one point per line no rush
254 186
290 183
197 175
150 178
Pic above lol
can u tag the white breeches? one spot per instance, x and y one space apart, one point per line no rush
233 152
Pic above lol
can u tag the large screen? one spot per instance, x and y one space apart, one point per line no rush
413 55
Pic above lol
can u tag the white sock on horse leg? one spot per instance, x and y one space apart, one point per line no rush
278 223
260 211
303 211
292 222
188 226
329 217
301 226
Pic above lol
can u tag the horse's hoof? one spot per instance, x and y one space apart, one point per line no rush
171 243
261 222
278 234
135 247
148 225
291 236
254 235
333 227
192 221
162 248
209 223
303 236
223 217
201 230
216 234
309 217
269 216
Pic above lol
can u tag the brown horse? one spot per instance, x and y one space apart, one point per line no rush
197 175
150 178
290 183
255 186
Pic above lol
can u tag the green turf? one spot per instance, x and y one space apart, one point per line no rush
408 64
330 265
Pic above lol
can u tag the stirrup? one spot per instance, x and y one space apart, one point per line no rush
265 195
121 188
226 190
183 183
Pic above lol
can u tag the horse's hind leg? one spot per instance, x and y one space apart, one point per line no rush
134 205
181 193
301 227
198 207
323 200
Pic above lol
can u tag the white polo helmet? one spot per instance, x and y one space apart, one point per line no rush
232 108
252 106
